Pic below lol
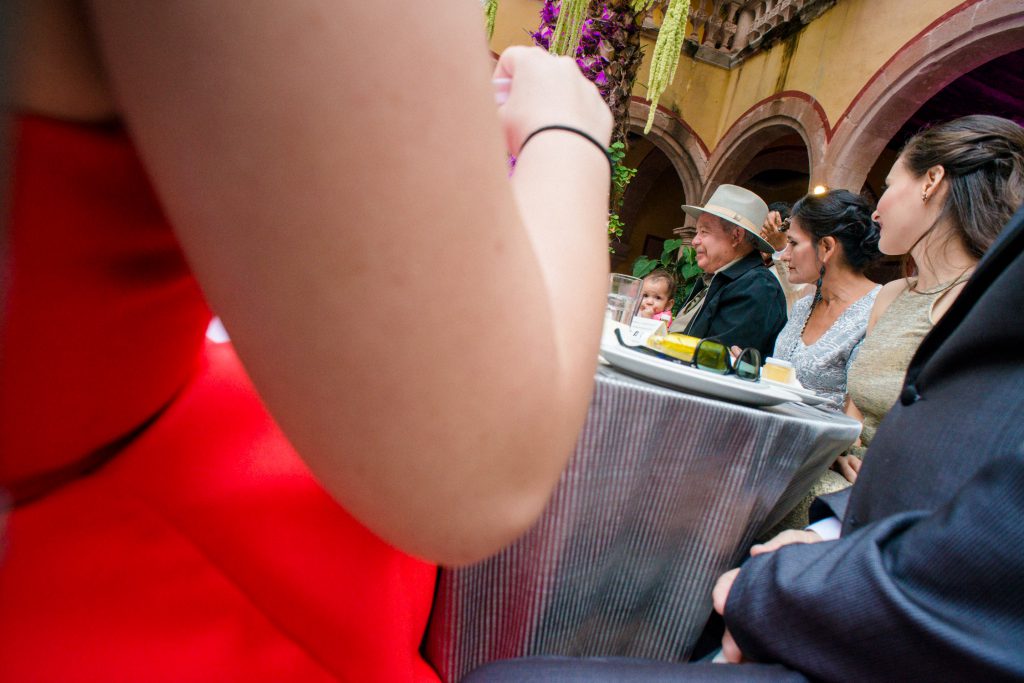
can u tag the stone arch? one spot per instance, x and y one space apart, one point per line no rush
973 33
678 141
678 157
783 114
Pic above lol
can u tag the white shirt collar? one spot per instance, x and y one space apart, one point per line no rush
730 263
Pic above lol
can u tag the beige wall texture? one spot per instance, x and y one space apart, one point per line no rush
831 59
841 87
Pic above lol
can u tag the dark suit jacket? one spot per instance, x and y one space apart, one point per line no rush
927 582
745 306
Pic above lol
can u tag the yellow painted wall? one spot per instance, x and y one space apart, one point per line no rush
831 60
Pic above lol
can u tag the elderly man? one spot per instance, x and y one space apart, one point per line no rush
739 301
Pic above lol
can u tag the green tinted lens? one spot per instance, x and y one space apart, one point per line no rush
748 365
712 356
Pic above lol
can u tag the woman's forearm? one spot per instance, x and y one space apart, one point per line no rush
346 210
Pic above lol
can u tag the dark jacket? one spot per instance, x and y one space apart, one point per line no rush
744 306
927 581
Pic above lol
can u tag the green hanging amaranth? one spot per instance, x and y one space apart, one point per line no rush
567 30
639 6
666 54
490 11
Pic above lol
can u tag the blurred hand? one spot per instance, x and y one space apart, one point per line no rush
719 596
731 652
546 90
771 231
720 593
848 466
787 537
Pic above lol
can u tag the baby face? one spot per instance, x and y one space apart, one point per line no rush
655 297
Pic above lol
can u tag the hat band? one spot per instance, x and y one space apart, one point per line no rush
732 215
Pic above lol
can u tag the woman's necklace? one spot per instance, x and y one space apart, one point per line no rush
946 287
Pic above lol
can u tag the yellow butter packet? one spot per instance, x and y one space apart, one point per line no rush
681 346
778 370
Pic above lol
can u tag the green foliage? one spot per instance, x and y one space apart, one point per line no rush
682 262
621 177
615 226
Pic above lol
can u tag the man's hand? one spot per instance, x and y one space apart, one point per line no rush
785 538
719 595
848 466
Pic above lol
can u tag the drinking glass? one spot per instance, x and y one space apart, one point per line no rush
623 298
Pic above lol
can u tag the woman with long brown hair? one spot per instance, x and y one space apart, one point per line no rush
949 193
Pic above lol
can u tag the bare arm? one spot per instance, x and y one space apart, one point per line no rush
312 169
851 409
886 295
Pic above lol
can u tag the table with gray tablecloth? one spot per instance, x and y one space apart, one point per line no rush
666 490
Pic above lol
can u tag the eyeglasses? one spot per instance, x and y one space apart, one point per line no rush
713 356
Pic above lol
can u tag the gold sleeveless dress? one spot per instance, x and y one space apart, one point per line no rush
876 373
874 380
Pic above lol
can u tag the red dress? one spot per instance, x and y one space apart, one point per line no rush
165 529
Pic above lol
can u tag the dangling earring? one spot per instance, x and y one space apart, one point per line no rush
815 300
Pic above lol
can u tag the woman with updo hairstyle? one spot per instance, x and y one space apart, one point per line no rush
830 240
948 195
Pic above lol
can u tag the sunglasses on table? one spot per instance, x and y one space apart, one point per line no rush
713 356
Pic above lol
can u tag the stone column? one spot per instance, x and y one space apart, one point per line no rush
743 26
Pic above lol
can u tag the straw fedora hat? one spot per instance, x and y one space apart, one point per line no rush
738 206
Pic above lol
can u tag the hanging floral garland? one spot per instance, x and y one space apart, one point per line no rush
608 51
600 35
604 38
666 54
566 37
490 11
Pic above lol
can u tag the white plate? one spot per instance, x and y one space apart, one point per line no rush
806 395
691 379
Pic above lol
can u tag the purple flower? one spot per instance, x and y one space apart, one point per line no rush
602 36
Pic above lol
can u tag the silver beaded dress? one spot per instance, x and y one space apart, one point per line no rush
821 366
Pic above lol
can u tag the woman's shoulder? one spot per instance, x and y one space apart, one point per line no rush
801 305
867 302
888 293
891 290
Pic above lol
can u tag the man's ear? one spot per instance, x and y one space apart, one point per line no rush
738 235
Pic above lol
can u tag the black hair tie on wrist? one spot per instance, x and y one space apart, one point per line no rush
577 131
